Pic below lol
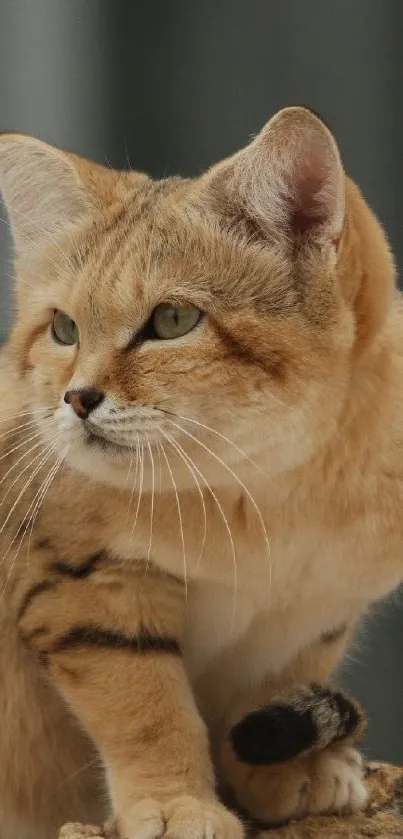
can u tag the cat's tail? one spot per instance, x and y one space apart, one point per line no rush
308 718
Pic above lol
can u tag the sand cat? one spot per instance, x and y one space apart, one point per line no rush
201 485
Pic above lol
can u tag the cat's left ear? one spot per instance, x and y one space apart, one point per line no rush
288 183
42 191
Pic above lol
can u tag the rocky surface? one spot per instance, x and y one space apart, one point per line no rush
383 818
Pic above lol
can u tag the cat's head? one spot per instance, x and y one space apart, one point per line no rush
181 316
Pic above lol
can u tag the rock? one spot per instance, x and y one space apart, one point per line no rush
383 818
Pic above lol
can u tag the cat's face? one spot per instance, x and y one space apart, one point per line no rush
186 320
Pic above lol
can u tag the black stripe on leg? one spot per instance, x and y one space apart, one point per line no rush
78 572
32 593
96 636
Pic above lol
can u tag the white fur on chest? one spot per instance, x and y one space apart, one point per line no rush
274 603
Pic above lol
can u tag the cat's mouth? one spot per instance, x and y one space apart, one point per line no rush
107 446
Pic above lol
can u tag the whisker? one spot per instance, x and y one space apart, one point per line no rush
40 495
128 471
149 254
236 478
159 469
152 501
224 519
41 498
135 474
96 761
21 493
141 479
45 457
218 434
21 457
15 448
29 411
16 428
35 502
173 444
27 466
178 506
43 426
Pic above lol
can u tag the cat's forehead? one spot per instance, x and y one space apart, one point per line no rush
159 244
142 250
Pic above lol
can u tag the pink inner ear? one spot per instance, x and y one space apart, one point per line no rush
312 194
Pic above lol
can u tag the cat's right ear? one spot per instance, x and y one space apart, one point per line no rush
287 185
42 191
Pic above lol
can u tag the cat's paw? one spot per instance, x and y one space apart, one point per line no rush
337 782
182 818
80 831
329 781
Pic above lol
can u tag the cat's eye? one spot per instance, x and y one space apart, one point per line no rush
64 329
170 321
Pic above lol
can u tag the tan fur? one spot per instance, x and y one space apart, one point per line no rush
261 512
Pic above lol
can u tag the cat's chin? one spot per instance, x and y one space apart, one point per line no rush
104 462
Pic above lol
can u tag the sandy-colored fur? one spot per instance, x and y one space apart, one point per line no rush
259 506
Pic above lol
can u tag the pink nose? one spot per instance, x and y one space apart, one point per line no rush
84 401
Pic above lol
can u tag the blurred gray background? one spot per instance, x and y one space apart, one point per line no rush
170 86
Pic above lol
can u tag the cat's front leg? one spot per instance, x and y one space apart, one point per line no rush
288 750
114 649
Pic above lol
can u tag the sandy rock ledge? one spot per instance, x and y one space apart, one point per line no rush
383 818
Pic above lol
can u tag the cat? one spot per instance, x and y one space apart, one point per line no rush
201 485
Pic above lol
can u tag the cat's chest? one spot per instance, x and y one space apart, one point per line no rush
244 578
251 568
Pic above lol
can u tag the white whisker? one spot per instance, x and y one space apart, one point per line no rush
152 501
128 471
223 437
140 491
40 496
28 520
26 485
22 471
28 412
176 446
45 456
239 482
25 425
22 443
178 506
159 469
135 474
224 519
96 761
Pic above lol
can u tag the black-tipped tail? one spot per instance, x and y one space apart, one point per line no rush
309 718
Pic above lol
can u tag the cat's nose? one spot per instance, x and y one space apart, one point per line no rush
84 400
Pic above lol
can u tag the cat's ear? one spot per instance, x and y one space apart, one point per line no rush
42 191
288 183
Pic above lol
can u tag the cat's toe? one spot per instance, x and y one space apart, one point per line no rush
80 831
185 817
328 781
337 782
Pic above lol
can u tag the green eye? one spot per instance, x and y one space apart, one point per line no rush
174 321
64 329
